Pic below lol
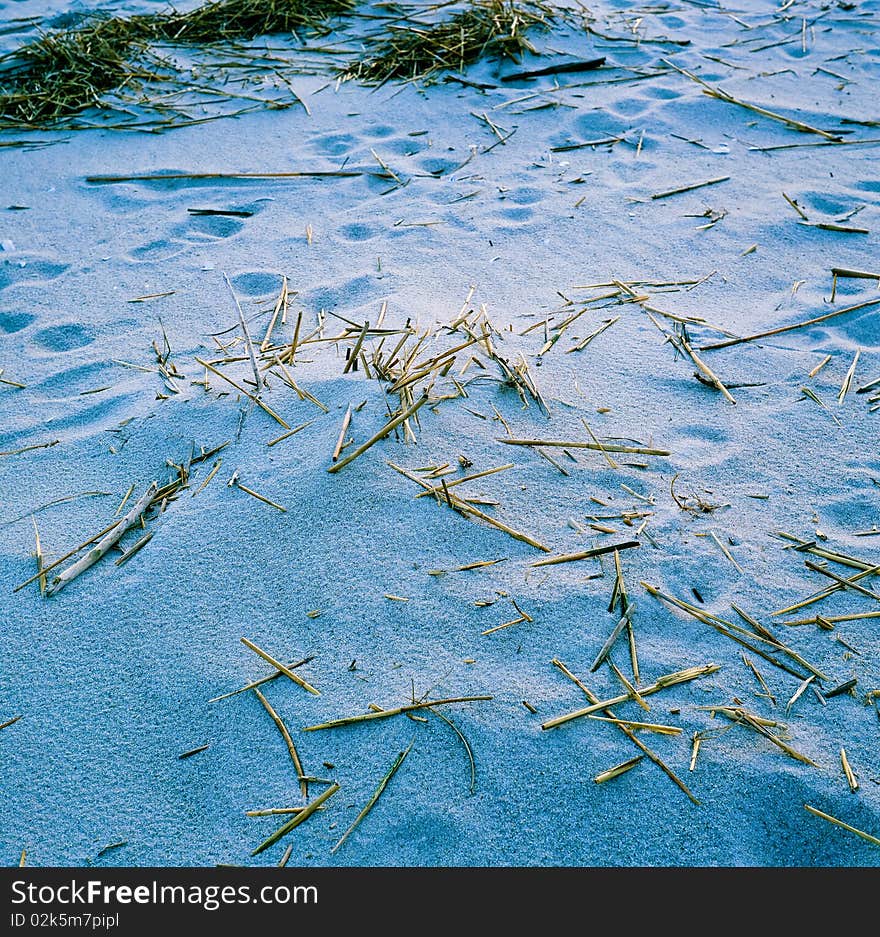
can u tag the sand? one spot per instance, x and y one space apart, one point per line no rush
112 676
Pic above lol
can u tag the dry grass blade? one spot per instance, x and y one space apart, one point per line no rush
264 407
279 666
617 770
840 823
103 546
790 328
61 73
397 711
288 741
468 510
385 431
628 732
679 676
368 806
419 52
300 817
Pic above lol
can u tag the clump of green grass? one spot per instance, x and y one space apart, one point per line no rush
483 27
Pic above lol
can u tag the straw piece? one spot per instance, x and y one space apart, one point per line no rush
630 734
469 510
300 817
689 188
240 389
577 444
346 420
279 666
586 554
288 741
609 643
386 713
846 826
247 336
104 545
679 676
262 680
368 806
851 778
617 770
386 429
790 328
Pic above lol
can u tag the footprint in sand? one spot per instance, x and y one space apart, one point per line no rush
29 269
11 322
256 283
209 227
334 144
353 293
73 381
524 195
63 337
439 165
700 445
380 131
358 232
163 249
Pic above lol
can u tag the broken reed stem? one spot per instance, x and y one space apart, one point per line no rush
727 628
259 497
469 510
628 732
730 99
617 770
282 728
261 681
612 638
397 711
740 715
352 358
279 666
104 545
648 726
258 380
368 806
386 429
586 554
577 444
38 555
265 407
679 676
846 826
790 328
301 817
466 478
346 420
851 778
